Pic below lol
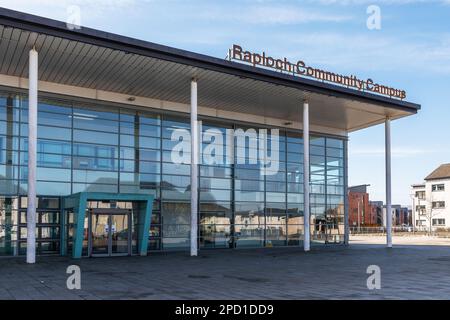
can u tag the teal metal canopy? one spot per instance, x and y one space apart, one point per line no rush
78 202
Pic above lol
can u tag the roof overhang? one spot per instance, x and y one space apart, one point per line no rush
92 59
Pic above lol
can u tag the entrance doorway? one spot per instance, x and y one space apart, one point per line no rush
109 232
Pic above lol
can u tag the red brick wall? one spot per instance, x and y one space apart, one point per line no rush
367 214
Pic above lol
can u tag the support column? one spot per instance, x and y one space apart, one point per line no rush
32 142
413 217
388 183
306 182
9 174
346 222
194 169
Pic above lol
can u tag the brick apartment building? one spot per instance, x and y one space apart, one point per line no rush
366 213
363 212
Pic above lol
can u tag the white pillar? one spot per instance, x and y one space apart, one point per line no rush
388 183
32 142
194 169
413 217
306 184
346 222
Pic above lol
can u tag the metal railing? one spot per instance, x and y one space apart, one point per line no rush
379 230
418 230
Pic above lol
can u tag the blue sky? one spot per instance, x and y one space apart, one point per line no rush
410 51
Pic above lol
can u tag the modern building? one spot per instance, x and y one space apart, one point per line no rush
399 214
92 125
403 217
360 211
364 213
431 200
376 208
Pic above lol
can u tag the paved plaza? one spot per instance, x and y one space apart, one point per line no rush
416 270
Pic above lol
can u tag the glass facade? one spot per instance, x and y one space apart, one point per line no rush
106 148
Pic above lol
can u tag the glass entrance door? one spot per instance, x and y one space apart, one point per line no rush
109 232
120 238
99 234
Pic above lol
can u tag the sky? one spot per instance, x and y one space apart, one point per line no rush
409 50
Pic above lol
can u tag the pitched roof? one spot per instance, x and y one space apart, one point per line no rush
443 171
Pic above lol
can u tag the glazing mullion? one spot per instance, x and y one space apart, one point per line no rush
161 216
265 195
72 150
326 191
233 196
286 183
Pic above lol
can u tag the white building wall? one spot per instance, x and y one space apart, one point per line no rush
422 217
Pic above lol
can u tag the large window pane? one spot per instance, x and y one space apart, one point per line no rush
95 163
176 213
170 168
54 119
215 195
132 128
9 113
139 178
47 132
212 183
9 142
249 235
97 112
88 123
89 176
9 128
48 188
215 236
91 187
217 172
95 137
139 142
53 106
335 143
337 153
51 174
275 196
249 185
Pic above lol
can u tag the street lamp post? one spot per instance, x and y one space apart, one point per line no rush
359 219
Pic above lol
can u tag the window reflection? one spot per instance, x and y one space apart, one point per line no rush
91 147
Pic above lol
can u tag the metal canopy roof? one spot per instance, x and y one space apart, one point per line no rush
95 59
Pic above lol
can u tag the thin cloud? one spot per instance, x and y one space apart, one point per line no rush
377 2
58 9
271 15
426 53
60 3
289 15
395 152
